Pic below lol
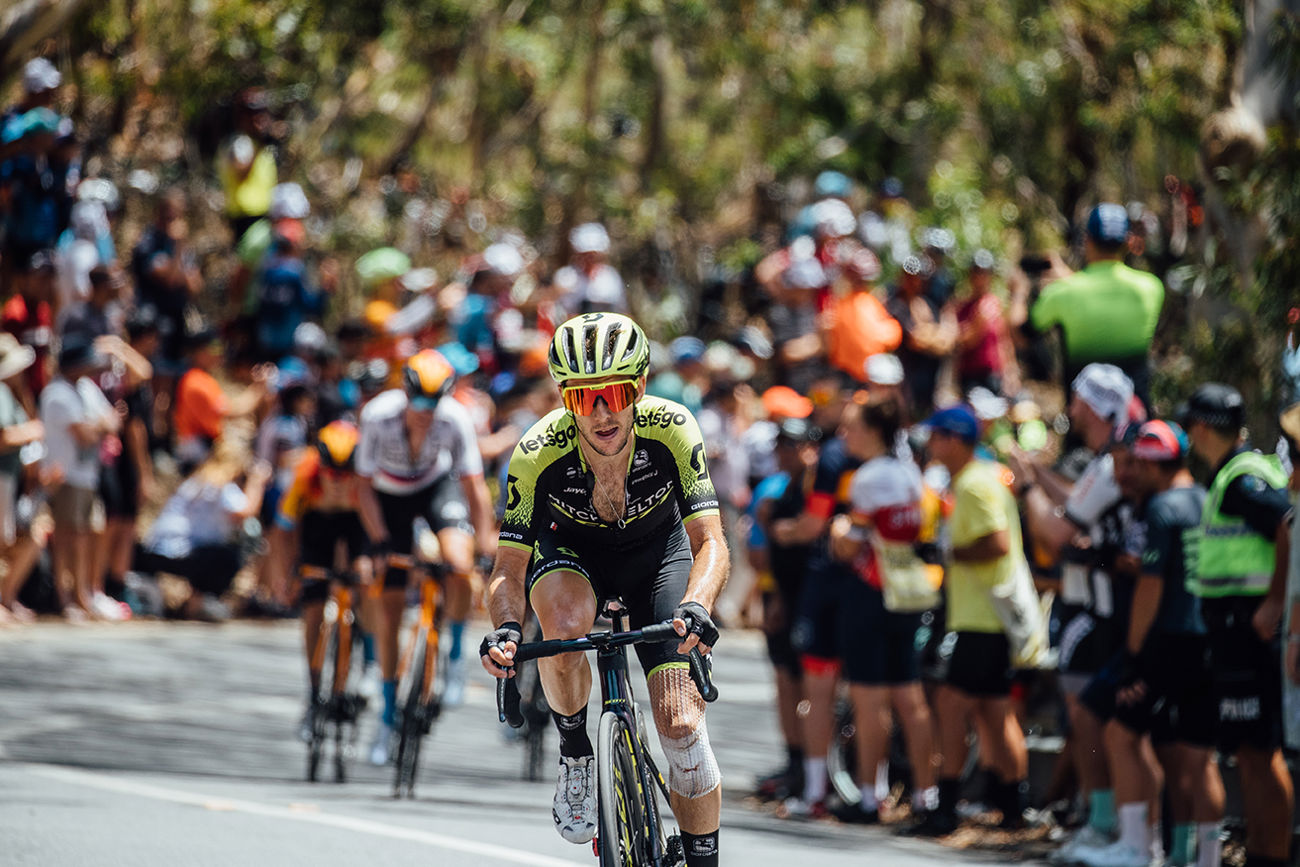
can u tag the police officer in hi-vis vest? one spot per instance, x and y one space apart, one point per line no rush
1241 553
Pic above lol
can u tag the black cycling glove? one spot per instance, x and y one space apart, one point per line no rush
379 551
506 632
697 622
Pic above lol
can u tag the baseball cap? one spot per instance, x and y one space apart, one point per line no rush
685 349
589 238
1160 441
1108 223
958 421
503 259
797 430
1218 405
782 400
39 75
288 201
1106 389
884 368
833 218
983 260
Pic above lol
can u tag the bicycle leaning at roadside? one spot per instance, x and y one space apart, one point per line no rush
611 496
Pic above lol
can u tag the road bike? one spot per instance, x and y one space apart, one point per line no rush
532 703
630 789
338 705
418 679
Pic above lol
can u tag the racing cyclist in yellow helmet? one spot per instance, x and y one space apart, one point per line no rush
610 496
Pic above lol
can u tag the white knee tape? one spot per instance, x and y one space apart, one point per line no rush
692 769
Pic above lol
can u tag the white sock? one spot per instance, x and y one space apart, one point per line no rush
869 799
1157 843
1133 826
814 779
925 800
882 781
1209 849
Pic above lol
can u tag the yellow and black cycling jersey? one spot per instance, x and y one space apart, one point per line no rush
549 484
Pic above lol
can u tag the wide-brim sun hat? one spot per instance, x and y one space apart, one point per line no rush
15 357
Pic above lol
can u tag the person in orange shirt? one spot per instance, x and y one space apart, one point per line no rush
202 407
856 326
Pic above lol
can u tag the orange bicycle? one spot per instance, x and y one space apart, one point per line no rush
417 678
339 704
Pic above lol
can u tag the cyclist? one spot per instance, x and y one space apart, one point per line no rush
420 457
323 500
611 496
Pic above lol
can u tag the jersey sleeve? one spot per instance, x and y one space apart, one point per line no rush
824 498
696 495
518 529
1043 315
296 500
1163 542
1094 494
367 456
1263 509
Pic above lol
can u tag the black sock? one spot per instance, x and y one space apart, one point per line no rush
1260 861
701 849
949 793
574 743
795 758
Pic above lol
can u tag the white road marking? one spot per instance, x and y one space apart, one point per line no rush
294 812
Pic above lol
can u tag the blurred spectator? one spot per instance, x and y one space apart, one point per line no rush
202 407
936 244
386 276
888 229
1108 311
196 535
986 553
857 326
1242 539
486 291
588 283
285 298
1290 423
87 243
167 278
33 186
928 334
248 170
41 81
101 312
19 551
78 419
986 356
28 316
796 335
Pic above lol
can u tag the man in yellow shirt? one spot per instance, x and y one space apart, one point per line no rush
986 551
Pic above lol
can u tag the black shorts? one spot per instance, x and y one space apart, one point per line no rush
816 620
876 647
649 577
1087 643
119 488
442 505
1246 674
980 665
780 650
1177 708
319 535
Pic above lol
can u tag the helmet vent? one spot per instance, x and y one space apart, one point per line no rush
611 345
589 349
571 350
630 350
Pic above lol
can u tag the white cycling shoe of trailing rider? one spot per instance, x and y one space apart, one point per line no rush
381 748
1085 840
453 694
574 809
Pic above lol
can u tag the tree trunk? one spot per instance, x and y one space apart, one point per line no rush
26 23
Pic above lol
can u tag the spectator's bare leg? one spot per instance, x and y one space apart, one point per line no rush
955 708
1267 795
1087 747
873 723
818 723
914 717
21 559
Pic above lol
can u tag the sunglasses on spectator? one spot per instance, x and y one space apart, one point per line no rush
581 399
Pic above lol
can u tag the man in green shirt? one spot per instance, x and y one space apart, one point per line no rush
1106 312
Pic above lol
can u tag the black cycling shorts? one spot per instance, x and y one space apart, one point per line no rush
1177 707
319 535
650 577
780 650
1246 674
980 665
442 505
876 647
816 619
1087 643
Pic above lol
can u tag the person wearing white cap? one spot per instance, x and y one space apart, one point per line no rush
1073 524
588 284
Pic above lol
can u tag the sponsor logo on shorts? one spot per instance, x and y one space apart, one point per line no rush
1239 709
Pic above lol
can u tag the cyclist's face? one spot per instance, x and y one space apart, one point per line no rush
605 431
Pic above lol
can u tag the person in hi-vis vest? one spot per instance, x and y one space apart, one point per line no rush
1240 553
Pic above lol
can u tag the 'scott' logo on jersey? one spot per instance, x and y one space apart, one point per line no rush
640 459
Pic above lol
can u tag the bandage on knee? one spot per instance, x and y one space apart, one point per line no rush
692 768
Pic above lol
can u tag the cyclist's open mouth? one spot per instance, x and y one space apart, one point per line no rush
606 435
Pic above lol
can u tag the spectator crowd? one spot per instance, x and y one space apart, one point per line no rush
936 522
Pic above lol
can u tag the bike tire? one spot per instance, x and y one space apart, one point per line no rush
411 728
619 790
320 712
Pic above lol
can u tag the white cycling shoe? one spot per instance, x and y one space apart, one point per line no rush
574 809
381 749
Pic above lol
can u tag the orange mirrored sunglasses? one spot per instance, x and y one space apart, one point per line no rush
581 399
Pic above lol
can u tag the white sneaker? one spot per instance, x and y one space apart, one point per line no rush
453 693
381 748
305 728
1086 839
108 609
372 683
1117 854
574 809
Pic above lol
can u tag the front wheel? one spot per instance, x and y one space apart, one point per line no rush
622 813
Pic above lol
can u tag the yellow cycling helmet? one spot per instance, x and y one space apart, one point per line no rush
596 346
428 375
337 444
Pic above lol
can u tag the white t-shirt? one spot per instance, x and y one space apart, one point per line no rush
62 405
888 491
197 514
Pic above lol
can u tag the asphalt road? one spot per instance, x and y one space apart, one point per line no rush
173 743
